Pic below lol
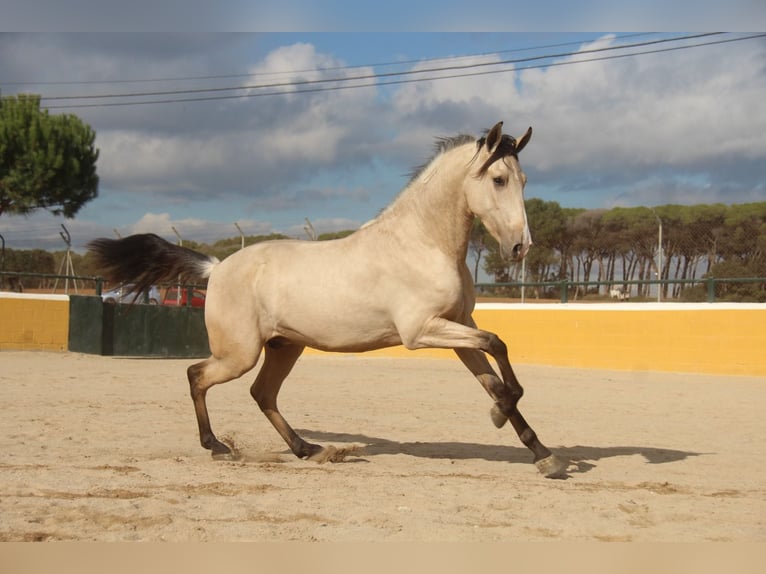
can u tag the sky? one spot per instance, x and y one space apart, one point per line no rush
277 142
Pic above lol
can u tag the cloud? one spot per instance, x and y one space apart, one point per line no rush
674 127
609 125
674 109
253 145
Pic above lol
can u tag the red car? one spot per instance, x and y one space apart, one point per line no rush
172 297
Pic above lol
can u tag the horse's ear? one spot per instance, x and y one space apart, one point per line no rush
493 137
524 140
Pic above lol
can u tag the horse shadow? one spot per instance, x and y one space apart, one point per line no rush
580 457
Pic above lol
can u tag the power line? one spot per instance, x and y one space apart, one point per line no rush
389 82
304 71
452 67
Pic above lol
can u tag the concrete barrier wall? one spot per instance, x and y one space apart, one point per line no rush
34 322
717 338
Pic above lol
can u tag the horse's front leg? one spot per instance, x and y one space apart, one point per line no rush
470 344
506 397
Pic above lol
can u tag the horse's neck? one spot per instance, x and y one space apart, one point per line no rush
433 209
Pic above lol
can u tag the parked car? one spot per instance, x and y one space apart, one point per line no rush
172 297
123 294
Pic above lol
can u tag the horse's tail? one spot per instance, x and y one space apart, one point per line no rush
146 259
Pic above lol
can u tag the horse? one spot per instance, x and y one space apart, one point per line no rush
400 279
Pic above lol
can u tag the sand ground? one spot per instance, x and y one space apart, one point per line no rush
106 449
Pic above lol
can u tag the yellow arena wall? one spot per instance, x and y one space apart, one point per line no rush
717 338
34 322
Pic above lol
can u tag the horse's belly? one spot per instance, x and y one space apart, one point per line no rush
339 332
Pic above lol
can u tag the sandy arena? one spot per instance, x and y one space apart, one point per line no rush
106 449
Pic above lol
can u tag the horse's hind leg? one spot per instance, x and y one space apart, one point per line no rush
202 376
506 395
280 358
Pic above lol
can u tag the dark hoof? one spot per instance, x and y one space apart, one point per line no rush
552 467
308 451
220 451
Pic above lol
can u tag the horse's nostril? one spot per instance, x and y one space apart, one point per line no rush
517 250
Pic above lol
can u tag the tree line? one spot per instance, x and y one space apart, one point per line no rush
609 246
622 244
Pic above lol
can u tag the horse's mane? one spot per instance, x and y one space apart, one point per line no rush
441 145
506 147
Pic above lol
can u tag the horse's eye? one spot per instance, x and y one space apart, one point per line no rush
498 181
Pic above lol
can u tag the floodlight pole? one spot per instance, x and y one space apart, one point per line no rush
523 278
659 255
180 239
241 235
178 286
309 229
66 261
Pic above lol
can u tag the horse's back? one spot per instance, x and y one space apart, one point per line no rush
315 293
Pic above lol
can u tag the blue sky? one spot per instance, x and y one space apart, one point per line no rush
685 126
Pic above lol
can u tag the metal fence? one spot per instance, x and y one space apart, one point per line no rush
709 289
74 284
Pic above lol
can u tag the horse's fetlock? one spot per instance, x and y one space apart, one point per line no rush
497 389
496 346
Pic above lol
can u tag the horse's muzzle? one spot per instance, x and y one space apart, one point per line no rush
519 251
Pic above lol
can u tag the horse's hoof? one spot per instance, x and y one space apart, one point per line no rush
225 451
324 454
498 418
552 467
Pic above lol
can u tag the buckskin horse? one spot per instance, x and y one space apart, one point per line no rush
399 279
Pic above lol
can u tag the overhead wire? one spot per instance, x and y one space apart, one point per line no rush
385 78
372 76
304 70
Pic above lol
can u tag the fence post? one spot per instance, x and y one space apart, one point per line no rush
564 291
710 282
99 286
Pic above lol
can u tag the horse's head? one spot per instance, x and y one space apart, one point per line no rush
494 190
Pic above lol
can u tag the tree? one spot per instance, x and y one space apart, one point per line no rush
46 161
547 223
